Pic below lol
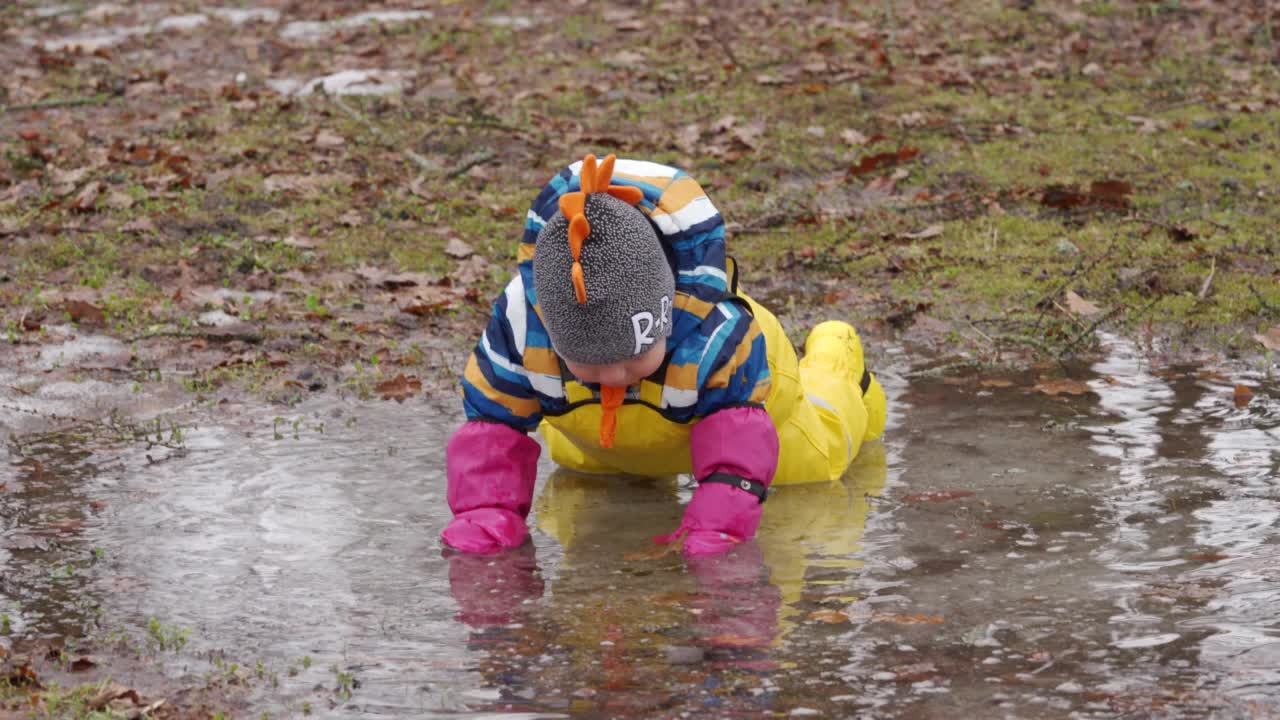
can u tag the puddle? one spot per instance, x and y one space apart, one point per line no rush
346 82
311 30
1108 555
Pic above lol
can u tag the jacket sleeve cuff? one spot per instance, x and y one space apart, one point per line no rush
491 465
739 441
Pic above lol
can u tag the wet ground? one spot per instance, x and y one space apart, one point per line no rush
1004 553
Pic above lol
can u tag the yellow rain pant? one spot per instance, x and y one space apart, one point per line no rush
816 403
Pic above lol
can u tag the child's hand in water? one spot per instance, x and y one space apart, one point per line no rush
485 530
718 517
492 469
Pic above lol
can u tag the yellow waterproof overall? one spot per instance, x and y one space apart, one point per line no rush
817 404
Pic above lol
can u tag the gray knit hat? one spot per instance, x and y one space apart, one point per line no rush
611 298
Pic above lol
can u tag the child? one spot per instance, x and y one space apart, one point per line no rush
624 336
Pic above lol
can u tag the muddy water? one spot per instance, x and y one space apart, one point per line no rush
1004 553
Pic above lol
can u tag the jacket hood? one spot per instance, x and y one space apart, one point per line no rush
686 221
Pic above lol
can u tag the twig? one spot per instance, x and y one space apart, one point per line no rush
479 158
252 338
1094 326
1170 226
1204 287
943 369
64 102
423 163
728 51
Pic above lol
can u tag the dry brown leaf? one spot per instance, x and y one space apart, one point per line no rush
117 200
458 249
471 270
1062 386
853 137
1080 306
1242 395
1269 339
87 198
995 382
728 640
399 388
85 313
831 617
917 619
113 692
326 138
139 225
656 552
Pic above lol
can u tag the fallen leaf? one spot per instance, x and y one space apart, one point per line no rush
113 692
831 617
82 664
995 382
853 137
733 640
326 138
871 163
931 231
1242 395
1108 193
458 249
1080 306
139 225
87 198
656 552
1209 557
117 200
938 496
1062 386
399 388
915 672
1269 339
85 313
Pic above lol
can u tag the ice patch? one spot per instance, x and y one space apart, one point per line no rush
316 30
242 16
182 22
347 82
1146 641
87 351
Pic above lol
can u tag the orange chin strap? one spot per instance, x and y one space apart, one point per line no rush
572 205
610 400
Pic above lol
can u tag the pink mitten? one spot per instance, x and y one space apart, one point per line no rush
491 469
718 517
735 453
485 530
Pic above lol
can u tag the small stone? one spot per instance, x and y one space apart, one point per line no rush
884 676
1213 123
1092 70
1070 687
684 655
217 318
804 712
1066 247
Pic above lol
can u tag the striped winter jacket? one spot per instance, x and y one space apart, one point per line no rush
716 355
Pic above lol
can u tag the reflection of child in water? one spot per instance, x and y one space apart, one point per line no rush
644 630
625 338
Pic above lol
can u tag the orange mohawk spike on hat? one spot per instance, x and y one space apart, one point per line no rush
592 178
